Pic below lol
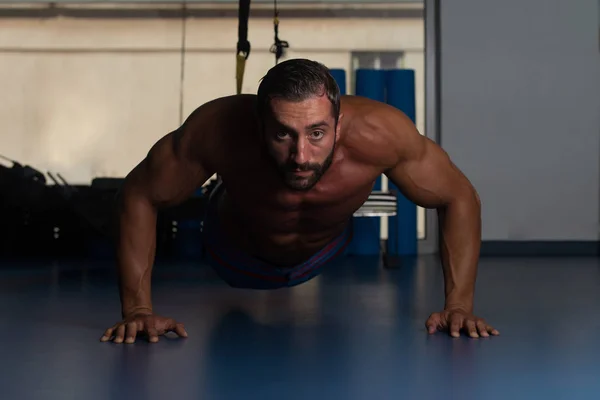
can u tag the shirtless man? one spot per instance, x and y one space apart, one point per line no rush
296 161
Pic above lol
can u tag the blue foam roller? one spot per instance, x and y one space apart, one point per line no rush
371 83
340 77
366 240
402 235
366 236
401 92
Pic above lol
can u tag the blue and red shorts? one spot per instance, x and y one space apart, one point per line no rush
242 270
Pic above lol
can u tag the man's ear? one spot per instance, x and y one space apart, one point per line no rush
338 127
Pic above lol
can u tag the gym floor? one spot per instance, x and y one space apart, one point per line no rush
356 332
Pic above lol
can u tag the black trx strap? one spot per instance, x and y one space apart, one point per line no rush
279 45
243 45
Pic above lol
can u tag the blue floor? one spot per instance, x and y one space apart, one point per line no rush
356 332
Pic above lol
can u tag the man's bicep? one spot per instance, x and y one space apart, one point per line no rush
426 175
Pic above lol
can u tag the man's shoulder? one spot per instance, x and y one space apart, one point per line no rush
373 114
222 110
222 116
217 124
375 132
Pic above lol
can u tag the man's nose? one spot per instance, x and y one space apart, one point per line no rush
300 153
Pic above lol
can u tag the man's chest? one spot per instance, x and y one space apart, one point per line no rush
257 193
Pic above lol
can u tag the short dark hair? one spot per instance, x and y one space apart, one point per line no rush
296 80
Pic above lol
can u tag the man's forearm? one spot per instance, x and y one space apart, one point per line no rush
460 243
136 252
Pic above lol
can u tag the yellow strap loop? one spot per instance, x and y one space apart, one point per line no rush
240 68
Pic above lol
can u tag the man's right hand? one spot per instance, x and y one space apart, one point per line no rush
149 324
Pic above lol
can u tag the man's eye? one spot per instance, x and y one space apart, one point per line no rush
316 135
282 135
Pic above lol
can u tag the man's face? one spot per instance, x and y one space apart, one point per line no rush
300 137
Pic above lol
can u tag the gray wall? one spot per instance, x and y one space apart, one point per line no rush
520 113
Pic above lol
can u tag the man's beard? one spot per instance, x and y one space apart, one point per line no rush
302 182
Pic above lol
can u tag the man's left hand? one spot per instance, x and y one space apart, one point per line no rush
455 320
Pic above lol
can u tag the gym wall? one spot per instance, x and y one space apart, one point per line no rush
520 113
89 96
